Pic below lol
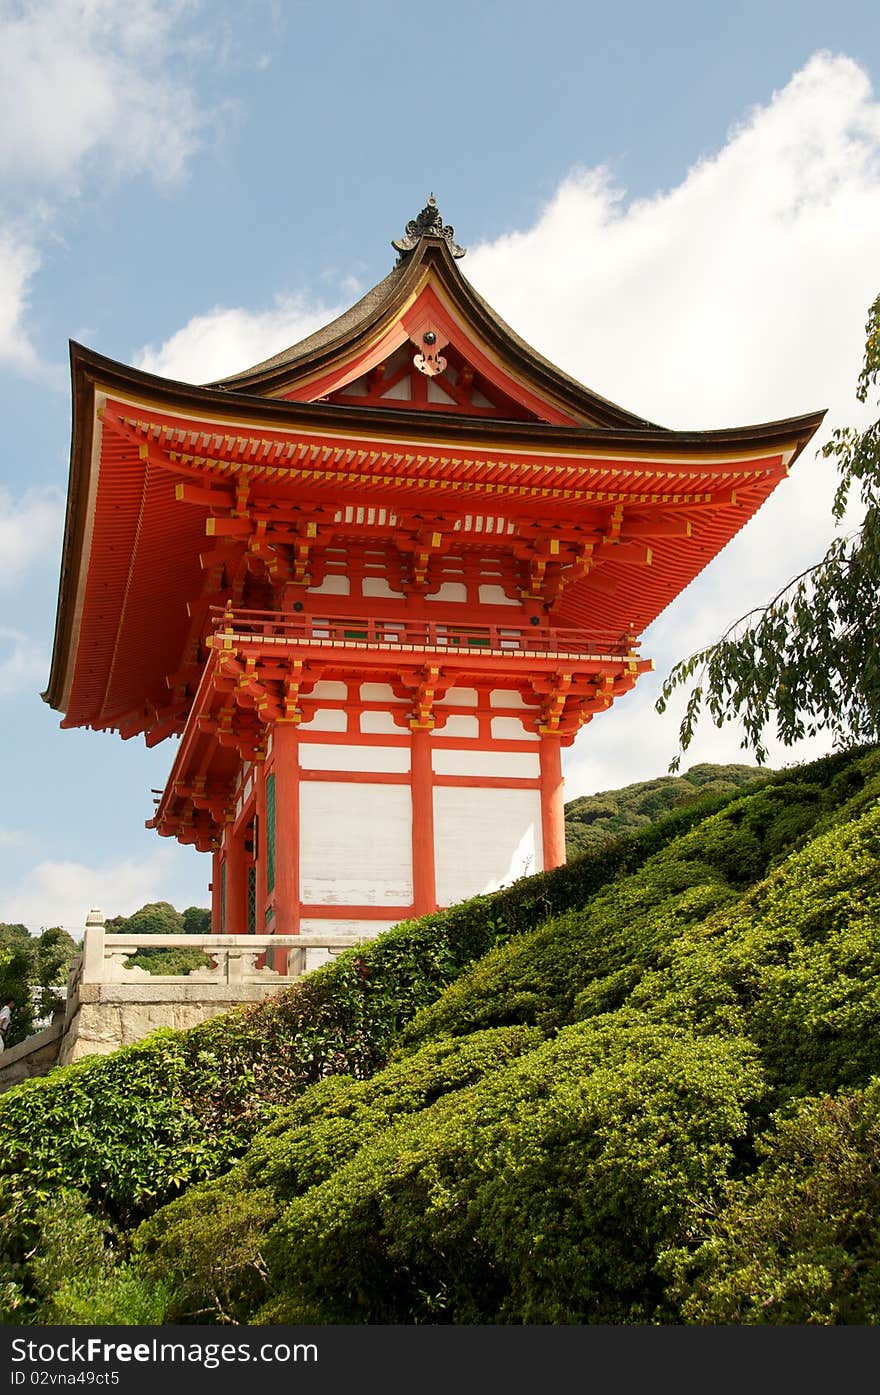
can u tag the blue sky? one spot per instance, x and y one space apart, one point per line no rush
678 204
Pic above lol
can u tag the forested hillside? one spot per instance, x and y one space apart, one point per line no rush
591 818
640 1089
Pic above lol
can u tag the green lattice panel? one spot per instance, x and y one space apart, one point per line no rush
270 832
252 900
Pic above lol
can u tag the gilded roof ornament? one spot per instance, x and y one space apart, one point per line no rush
428 224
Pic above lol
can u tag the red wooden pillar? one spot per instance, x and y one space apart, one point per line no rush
424 877
236 881
285 750
552 803
261 847
216 894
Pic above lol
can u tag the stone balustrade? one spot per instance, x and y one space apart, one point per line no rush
110 1004
234 957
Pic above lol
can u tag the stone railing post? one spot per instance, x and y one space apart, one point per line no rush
93 948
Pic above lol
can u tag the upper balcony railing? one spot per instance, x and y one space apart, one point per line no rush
453 637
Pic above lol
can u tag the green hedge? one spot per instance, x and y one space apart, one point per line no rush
133 1129
571 1181
623 956
798 1242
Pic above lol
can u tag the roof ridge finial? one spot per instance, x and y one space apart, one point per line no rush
428 224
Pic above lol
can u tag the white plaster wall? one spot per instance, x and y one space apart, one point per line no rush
358 929
378 586
326 719
355 843
332 585
514 765
511 729
484 839
326 689
385 759
494 595
380 724
458 725
379 692
458 697
506 697
449 591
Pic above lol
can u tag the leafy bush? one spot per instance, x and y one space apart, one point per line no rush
799 1241
540 1194
207 1246
439 1155
795 965
133 1129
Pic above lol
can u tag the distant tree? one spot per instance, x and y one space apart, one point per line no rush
591 819
155 918
196 921
12 934
32 967
161 918
808 660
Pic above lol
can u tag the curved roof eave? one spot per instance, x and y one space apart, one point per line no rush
89 368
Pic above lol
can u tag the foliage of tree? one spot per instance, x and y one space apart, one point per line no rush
808 660
13 934
590 819
32 968
161 918
196 920
155 918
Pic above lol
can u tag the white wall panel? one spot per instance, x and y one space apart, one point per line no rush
325 689
506 697
458 697
379 692
355 844
460 726
513 765
495 595
380 724
326 719
484 839
358 929
385 759
449 591
378 586
333 585
511 729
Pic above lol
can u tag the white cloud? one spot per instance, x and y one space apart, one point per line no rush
225 341
23 664
738 296
82 78
30 530
19 261
88 89
59 892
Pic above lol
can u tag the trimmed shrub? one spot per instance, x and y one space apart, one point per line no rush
541 1194
207 1245
799 1241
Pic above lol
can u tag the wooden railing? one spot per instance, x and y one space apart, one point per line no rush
451 636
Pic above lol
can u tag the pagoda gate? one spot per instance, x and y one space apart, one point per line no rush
374 585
